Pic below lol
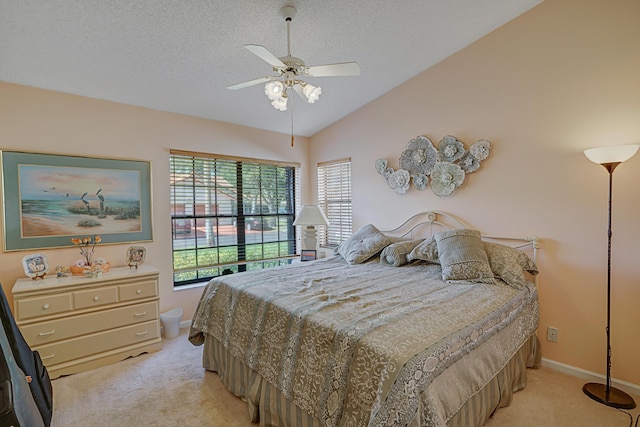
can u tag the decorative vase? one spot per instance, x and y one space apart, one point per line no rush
92 272
76 270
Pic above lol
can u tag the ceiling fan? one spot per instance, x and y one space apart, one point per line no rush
290 69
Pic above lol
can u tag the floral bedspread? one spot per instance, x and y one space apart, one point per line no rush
356 345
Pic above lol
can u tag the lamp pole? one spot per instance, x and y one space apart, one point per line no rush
604 393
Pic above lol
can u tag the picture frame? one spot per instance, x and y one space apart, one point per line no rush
35 266
136 256
308 254
49 198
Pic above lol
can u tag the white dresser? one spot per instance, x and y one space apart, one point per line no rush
78 323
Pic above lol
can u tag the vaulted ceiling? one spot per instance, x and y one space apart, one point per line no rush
179 56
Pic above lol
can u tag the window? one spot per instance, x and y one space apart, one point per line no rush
334 198
230 214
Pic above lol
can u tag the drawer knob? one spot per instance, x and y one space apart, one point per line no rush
44 334
96 298
144 313
142 333
46 307
48 357
139 291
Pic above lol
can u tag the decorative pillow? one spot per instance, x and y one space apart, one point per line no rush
395 254
463 257
427 250
527 263
509 264
363 244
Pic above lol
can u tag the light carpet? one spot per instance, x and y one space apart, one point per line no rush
170 388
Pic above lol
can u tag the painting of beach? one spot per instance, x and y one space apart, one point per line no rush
71 201
49 198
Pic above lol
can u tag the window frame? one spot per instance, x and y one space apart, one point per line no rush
271 251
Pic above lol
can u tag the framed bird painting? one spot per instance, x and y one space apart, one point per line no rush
49 199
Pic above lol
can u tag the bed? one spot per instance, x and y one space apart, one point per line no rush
428 324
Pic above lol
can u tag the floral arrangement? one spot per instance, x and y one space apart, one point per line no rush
87 245
446 167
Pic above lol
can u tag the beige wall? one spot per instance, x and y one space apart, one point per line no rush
50 122
557 80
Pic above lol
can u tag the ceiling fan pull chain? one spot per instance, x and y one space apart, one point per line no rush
291 110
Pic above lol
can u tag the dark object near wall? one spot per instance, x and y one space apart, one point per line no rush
26 394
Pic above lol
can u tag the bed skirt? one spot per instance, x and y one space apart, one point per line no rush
268 407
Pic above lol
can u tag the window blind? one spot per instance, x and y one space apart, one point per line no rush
230 214
334 198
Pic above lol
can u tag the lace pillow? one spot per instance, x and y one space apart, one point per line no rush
363 244
509 264
396 253
427 250
463 257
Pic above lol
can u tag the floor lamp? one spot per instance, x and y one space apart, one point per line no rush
610 158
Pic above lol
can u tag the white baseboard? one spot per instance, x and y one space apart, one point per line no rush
185 324
591 376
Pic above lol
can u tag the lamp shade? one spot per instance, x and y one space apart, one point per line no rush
274 90
280 103
311 215
312 93
614 154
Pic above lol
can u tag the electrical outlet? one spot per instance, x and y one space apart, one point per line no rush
552 334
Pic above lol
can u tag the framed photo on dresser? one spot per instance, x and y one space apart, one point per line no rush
308 254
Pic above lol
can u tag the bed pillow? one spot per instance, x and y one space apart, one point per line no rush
427 250
363 244
509 264
395 254
527 263
463 257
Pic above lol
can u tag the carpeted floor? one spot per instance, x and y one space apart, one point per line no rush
170 388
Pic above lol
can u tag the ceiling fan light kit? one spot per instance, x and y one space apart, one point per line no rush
289 69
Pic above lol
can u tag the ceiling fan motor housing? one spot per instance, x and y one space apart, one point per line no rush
294 65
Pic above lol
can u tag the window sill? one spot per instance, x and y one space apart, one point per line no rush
190 286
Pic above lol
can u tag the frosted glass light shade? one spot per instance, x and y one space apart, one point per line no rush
280 103
312 93
615 154
311 215
274 90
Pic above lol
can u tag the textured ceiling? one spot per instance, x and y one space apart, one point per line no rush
179 56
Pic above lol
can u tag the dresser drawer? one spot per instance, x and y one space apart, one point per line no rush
42 306
95 297
61 329
139 290
75 348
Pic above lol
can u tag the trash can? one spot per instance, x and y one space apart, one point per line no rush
171 322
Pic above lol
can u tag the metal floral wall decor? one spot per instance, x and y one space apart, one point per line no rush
444 167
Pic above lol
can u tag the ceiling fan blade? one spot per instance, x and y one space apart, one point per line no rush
264 54
249 83
331 70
